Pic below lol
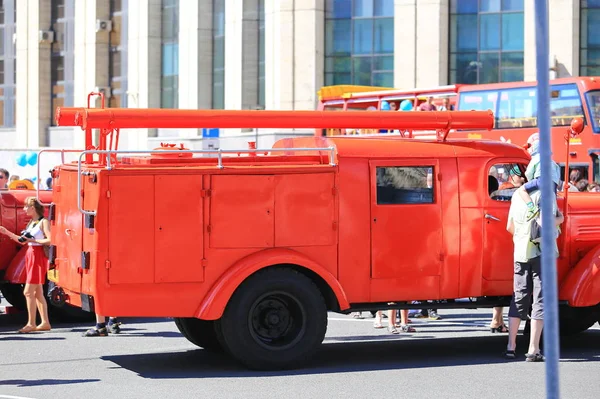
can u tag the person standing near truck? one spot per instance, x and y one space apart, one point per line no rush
527 276
35 236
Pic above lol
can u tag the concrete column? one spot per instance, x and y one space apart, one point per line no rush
529 41
421 43
195 57
144 61
91 62
564 30
294 53
33 74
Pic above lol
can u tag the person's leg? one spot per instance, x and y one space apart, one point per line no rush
29 293
404 327
114 326
537 308
42 307
99 330
497 323
536 334
392 321
377 321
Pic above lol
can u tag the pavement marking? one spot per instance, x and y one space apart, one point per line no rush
14 397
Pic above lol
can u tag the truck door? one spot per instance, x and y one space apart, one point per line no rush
406 232
497 255
67 232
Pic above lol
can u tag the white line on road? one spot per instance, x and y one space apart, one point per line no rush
13 397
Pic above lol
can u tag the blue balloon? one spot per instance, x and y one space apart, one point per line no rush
32 158
406 105
22 159
385 106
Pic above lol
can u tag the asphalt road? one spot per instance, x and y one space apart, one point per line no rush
456 357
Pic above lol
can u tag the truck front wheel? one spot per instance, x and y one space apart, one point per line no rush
199 332
276 319
575 320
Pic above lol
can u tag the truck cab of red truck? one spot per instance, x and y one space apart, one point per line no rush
248 252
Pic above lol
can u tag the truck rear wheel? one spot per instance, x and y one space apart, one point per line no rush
13 293
275 320
575 320
199 332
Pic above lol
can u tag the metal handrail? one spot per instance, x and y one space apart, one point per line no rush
219 152
62 161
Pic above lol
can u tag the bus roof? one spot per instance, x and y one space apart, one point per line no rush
588 82
364 92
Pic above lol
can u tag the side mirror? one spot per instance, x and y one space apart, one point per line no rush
576 126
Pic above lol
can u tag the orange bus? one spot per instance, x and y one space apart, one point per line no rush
514 105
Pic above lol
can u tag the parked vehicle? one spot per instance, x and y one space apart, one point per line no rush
249 249
514 105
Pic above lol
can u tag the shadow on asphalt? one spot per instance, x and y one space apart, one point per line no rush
35 383
30 337
391 354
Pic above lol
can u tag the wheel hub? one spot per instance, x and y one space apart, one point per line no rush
276 320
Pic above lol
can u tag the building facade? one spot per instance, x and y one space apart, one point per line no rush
260 54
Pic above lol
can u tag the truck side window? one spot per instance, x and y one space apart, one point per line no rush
404 185
504 179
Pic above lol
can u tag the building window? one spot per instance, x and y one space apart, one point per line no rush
590 40
359 42
261 53
7 63
218 94
62 51
117 67
170 54
486 41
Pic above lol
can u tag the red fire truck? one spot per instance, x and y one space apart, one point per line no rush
249 249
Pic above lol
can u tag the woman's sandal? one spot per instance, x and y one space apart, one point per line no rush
500 329
510 354
535 357
377 324
393 330
407 329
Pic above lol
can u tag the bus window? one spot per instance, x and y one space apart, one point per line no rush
565 104
517 108
478 101
593 100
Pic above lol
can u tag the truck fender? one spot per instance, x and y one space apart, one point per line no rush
16 272
581 287
214 302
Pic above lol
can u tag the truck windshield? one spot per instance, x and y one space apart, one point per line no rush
593 101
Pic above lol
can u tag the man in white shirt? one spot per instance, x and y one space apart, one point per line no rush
527 276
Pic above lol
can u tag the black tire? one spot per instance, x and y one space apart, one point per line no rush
575 320
13 293
199 332
275 320
67 313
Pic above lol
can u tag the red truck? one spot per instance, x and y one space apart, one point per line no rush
248 250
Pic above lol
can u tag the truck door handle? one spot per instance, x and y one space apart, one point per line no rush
488 216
